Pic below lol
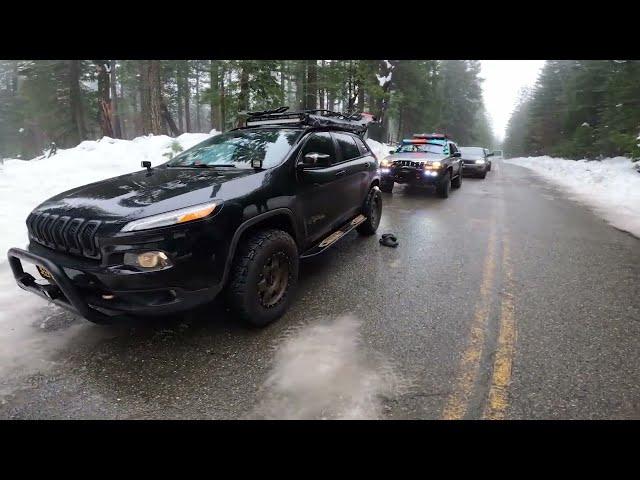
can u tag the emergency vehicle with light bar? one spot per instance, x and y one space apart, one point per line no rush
426 160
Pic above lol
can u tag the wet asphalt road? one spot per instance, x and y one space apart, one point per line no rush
506 300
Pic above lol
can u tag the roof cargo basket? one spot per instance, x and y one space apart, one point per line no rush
353 122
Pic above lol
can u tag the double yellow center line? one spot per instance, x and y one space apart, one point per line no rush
496 404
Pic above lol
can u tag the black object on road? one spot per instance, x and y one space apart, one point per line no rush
389 240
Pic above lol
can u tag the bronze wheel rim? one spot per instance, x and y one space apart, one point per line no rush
376 207
274 280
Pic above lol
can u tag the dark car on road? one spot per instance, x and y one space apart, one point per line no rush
425 160
233 214
476 160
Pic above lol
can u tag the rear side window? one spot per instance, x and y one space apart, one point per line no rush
348 146
320 143
363 149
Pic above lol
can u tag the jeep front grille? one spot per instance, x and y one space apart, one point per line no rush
408 163
63 233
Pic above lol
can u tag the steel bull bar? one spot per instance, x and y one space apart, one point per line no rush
63 293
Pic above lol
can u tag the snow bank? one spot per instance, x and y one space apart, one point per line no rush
26 184
611 186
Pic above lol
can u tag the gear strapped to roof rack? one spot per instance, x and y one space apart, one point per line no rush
354 122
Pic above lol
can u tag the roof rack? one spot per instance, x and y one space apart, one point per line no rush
317 118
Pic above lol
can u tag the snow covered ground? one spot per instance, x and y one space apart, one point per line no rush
611 187
26 184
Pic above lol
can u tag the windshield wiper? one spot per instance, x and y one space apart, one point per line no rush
204 165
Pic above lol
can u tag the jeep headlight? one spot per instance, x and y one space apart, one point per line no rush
433 165
385 163
153 260
480 161
171 218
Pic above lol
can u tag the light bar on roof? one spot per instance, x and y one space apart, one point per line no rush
429 135
275 121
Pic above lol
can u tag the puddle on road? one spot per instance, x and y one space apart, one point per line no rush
323 371
32 332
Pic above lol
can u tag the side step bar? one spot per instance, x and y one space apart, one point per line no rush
334 237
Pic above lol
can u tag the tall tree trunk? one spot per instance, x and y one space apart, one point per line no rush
301 82
122 114
75 97
214 94
312 85
290 98
155 97
104 98
145 92
186 92
283 86
179 96
222 102
243 97
117 130
166 115
321 82
198 125
360 95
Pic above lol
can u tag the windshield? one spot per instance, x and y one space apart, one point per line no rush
472 150
421 147
239 148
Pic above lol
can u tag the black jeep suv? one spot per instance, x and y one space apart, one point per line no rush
234 213
424 160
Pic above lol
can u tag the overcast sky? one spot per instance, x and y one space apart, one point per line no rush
503 80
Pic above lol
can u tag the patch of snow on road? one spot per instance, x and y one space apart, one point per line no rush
32 332
322 371
611 186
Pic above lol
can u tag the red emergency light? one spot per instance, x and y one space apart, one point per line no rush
433 136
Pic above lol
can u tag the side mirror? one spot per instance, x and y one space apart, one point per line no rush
315 160
146 164
457 154
491 154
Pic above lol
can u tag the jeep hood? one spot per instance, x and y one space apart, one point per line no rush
140 194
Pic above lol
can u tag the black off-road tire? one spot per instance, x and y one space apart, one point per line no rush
444 186
489 168
386 187
482 175
457 182
251 258
372 210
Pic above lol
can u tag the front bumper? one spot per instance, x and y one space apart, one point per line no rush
474 168
94 301
412 176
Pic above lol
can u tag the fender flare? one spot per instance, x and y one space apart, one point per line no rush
251 222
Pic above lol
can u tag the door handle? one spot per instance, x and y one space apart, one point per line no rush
341 173
366 164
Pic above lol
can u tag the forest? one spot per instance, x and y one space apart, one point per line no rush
579 109
68 101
